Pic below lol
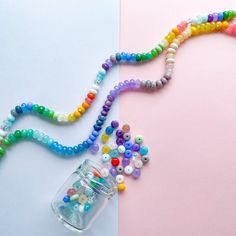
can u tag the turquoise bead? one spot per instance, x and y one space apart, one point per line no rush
143 150
87 206
114 153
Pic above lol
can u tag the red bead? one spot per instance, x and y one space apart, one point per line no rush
115 161
91 95
71 192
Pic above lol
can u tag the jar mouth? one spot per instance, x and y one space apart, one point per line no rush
90 172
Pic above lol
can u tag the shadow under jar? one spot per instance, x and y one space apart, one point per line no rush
83 196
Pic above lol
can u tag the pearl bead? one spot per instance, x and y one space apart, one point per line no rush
176 41
106 157
93 91
174 45
120 179
128 170
171 50
170 55
170 60
104 172
121 149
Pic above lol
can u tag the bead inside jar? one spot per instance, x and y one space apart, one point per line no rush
83 196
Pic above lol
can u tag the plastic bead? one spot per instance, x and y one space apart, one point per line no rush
121 149
128 170
143 150
139 139
94 148
106 157
105 138
121 187
106 149
136 173
115 161
120 179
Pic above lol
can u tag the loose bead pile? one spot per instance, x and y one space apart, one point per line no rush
123 156
205 24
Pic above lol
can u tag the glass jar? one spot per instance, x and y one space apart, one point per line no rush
83 196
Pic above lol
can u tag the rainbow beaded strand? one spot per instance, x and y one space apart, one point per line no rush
64 150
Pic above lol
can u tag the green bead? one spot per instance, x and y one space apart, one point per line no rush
139 139
138 57
144 56
11 138
46 112
154 52
162 46
234 13
231 15
6 142
30 133
35 107
41 109
51 114
149 56
17 134
2 151
24 133
159 49
225 15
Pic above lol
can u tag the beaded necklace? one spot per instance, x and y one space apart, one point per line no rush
203 24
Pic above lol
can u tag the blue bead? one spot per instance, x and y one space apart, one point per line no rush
95 133
97 127
109 130
54 145
59 148
18 109
75 149
204 19
92 137
128 56
69 150
89 141
143 150
220 16
85 145
128 145
133 57
29 106
24 107
99 122
123 56
66 199
80 148
118 57
102 118
128 153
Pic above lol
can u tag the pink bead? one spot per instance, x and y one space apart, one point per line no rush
182 26
71 192
88 100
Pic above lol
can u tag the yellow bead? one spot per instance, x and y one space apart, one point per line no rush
198 29
81 109
203 28
176 31
218 26
225 25
77 114
208 27
106 149
121 187
105 138
193 30
213 26
71 117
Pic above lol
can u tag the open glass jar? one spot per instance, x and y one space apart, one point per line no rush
83 196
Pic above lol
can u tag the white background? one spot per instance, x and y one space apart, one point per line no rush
50 52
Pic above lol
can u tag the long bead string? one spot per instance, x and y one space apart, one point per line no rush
176 34
132 84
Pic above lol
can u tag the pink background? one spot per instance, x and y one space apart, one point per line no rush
189 186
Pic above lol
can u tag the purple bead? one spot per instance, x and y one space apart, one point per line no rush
115 124
210 18
94 148
105 66
125 162
215 16
113 171
108 103
106 108
135 147
104 113
136 173
113 93
119 133
110 98
109 62
119 141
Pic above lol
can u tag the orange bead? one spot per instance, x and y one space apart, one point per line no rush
225 25
77 114
91 95
85 105
176 31
81 109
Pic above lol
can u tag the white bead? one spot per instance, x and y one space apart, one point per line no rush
194 21
176 41
1 138
174 45
95 86
189 32
170 60
121 149
136 155
180 38
185 34
170 55
11 118
114 146
171 50
165 42
65 118
138 164
128 170
60 118
94 91
120 179
3 133
81 208
104 172
106 157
